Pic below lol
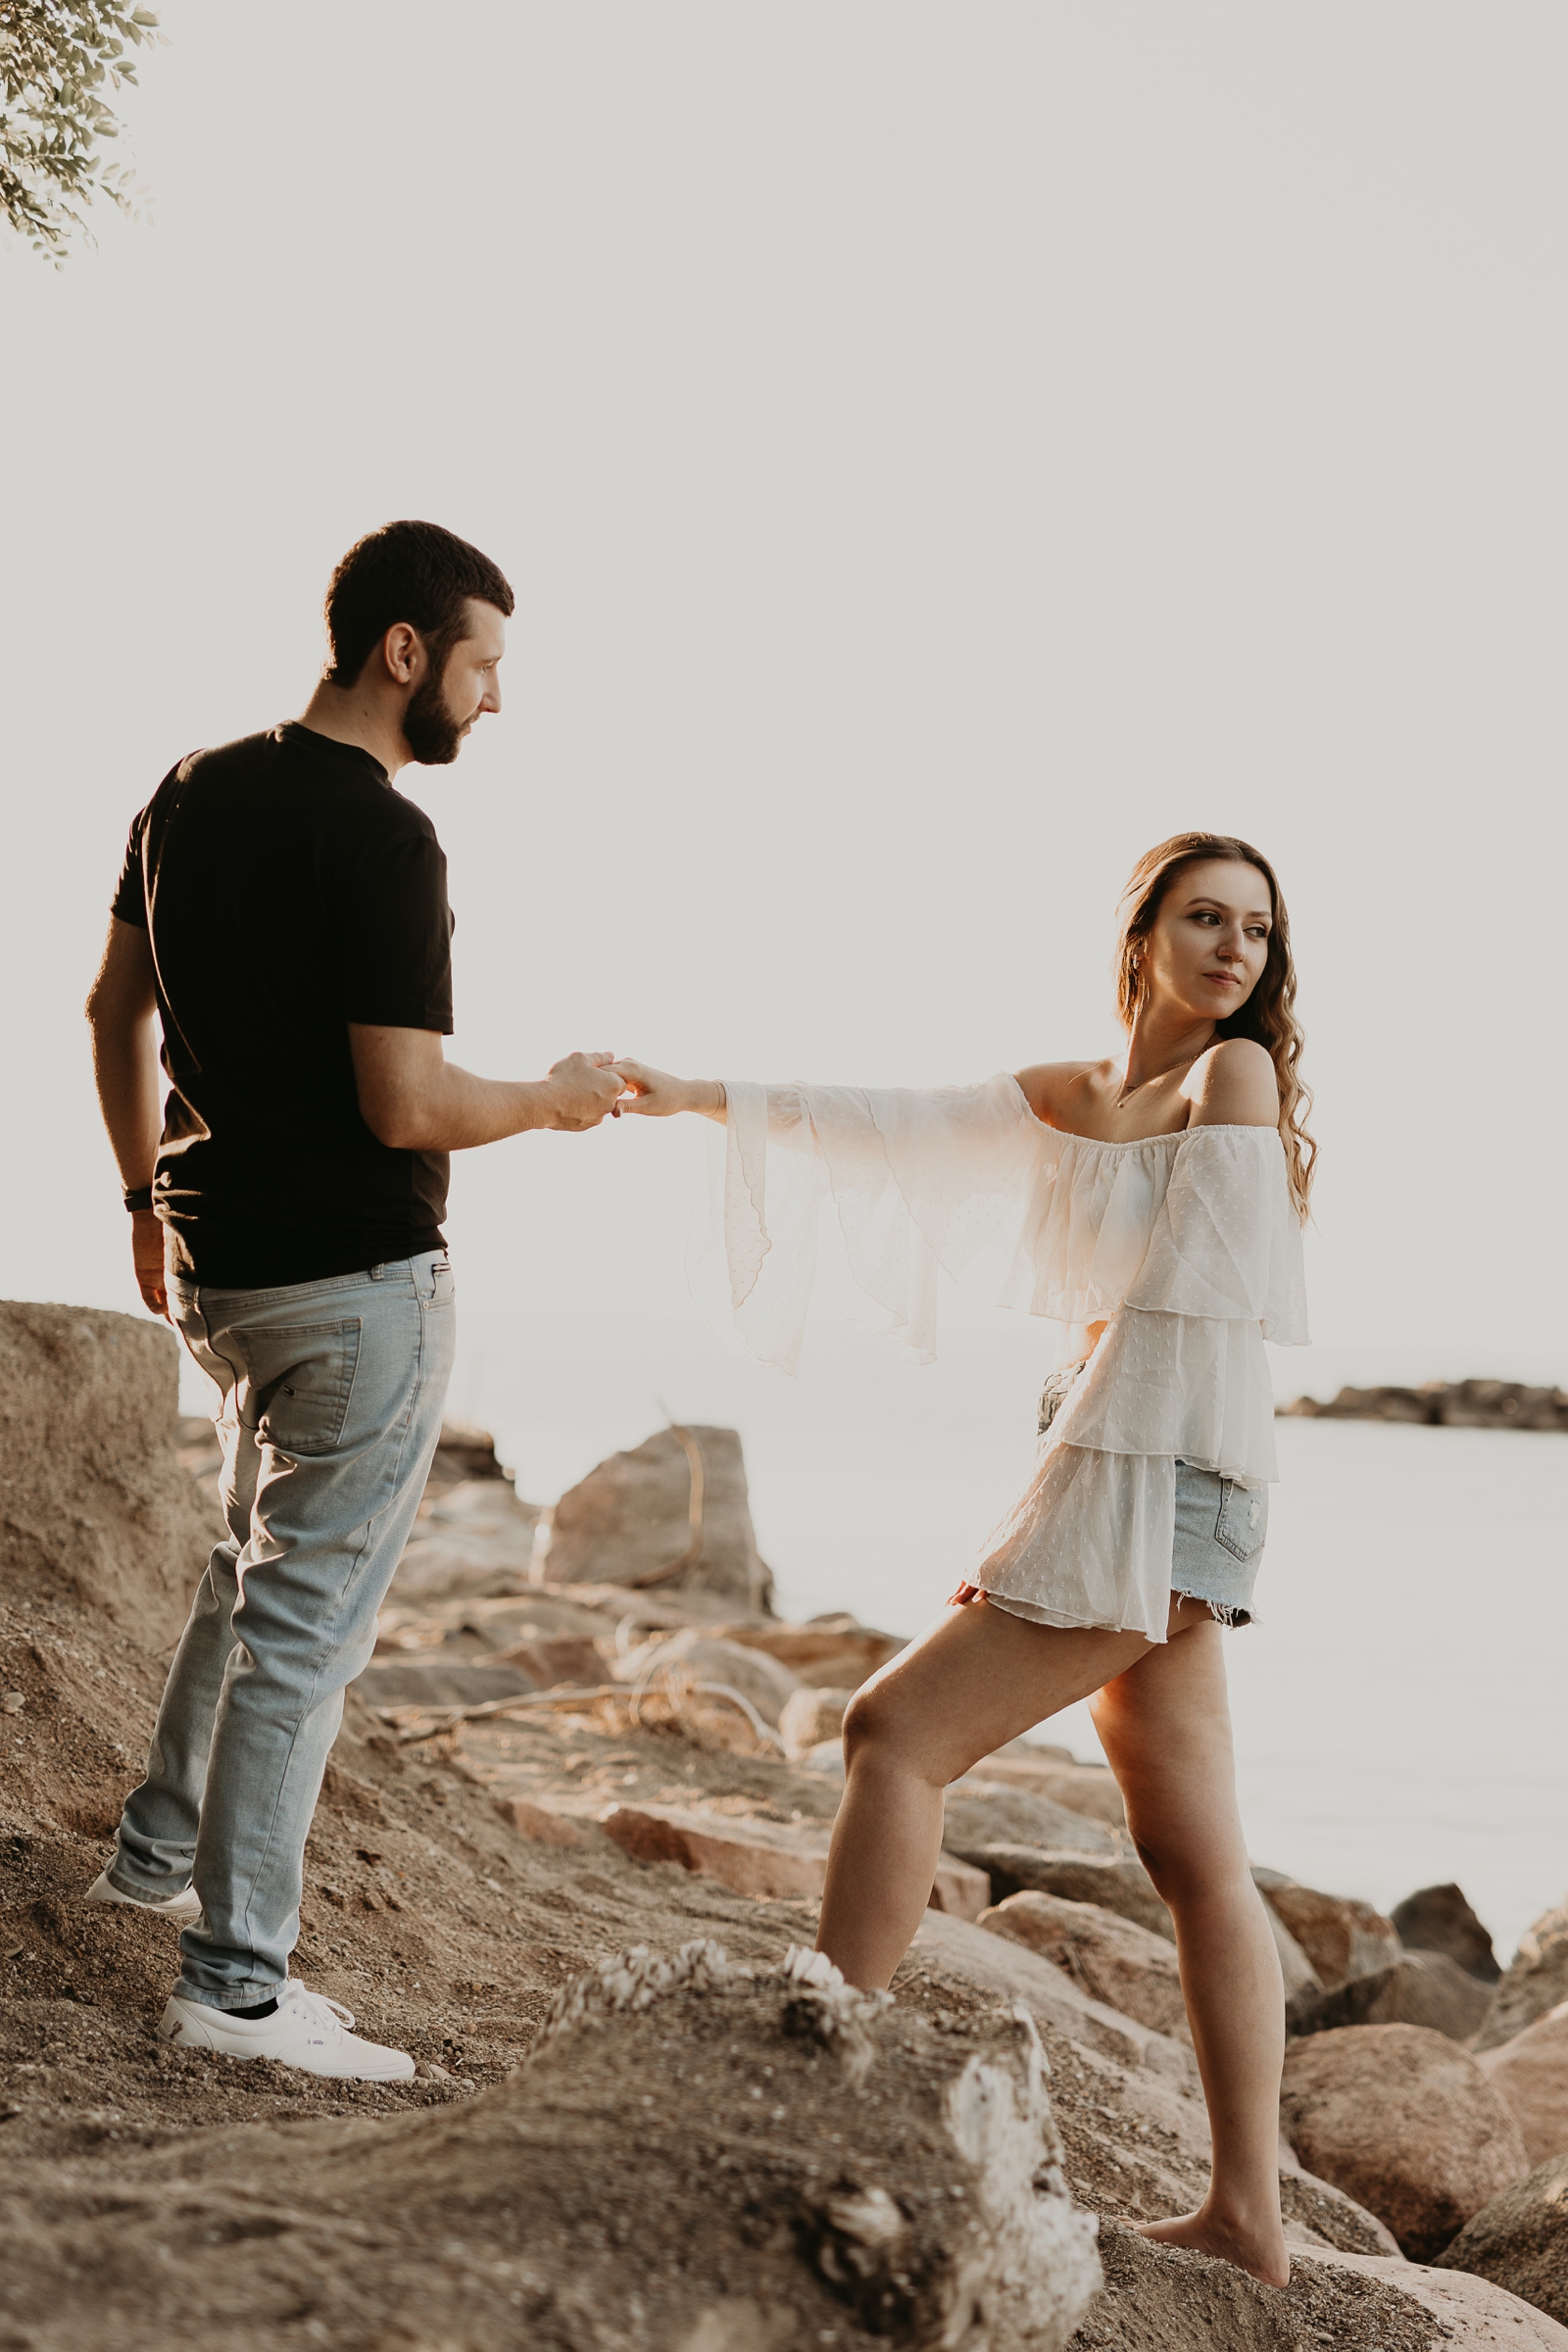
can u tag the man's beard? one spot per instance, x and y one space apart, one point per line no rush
432 734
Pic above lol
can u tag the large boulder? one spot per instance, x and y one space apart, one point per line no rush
95 1509
985 1813
1534 1980
1089 1789
1421 1989
1116 1882
1531 2074
691 2158
471 1538
1437 1919
1108 1958
1520 2240
1342 1936
1404 2121
657 1518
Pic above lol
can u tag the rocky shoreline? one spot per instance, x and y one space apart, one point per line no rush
1441 1405
568 1852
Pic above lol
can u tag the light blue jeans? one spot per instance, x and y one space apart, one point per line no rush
332 1397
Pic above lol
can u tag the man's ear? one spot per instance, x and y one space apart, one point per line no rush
401 653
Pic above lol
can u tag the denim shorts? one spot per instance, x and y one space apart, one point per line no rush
1220 1525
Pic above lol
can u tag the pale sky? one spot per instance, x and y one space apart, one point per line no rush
938 451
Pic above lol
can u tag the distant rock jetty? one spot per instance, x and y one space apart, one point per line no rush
1442 1405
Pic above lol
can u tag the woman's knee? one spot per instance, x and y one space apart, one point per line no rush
866 1722
880 1724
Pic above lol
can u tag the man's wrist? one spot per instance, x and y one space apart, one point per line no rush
138 1199
536 1096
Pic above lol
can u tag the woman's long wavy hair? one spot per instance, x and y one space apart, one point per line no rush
1269 1013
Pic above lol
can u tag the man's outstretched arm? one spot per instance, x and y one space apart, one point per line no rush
122 1009
414 1099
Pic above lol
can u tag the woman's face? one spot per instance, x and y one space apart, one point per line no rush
1209 943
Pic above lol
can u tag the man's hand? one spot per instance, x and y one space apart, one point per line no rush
147 1256
414 1099
655 1094
580 1091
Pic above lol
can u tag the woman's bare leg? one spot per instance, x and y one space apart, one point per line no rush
972 1682
1164 1724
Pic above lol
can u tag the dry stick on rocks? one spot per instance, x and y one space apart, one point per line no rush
694 1515
490 1708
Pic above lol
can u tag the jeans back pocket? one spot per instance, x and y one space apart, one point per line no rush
301 1377
1243 1520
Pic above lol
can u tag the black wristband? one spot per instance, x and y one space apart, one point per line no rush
142 1197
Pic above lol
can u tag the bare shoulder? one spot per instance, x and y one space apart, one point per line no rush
1051 1087
1234 1085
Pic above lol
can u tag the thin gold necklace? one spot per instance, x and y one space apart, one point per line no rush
1149 1080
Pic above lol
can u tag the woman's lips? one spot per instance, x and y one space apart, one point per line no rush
1226 979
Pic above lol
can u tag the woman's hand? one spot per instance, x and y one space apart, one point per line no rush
655 1094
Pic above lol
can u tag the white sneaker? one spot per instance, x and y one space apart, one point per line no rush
306 2029
183 1907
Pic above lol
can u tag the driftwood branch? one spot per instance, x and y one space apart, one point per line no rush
493 1709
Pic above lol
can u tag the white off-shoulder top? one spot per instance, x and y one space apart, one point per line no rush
1188 1246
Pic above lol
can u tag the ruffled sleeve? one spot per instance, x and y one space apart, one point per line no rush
918 1180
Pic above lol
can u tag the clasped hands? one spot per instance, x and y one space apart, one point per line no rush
586 1088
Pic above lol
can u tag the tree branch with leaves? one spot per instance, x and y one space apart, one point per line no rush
57 58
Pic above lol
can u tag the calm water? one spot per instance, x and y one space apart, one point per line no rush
1399 1709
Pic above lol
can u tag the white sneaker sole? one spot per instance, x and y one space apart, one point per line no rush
194 2025
184 1908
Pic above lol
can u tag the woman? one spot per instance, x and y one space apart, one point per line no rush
1155 1207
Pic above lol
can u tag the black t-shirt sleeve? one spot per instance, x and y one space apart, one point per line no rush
129 902
397 938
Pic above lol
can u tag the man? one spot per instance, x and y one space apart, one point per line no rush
283 914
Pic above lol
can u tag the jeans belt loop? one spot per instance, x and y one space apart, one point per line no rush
377 1272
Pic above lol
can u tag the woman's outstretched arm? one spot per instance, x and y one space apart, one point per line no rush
655 1094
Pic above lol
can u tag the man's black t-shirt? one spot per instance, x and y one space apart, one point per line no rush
287 890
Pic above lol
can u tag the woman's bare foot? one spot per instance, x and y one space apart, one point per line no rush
1260 2251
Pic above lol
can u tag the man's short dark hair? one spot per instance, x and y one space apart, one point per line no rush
412 572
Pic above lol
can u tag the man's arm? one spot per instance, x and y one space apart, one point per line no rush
122 1009
414 1099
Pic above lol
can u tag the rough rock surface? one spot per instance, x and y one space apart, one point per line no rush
1445 1405
94 1508
808 1717
1520 2240
1158 2299
1531 2076
473 1538
830 1654
982 1813
753 1856
820 2164
1437 1919
1120 1884
1404 2121
1534 1980
1421 1989
699 1656
630 1519
1342 1936
1089 1789
1114 1960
